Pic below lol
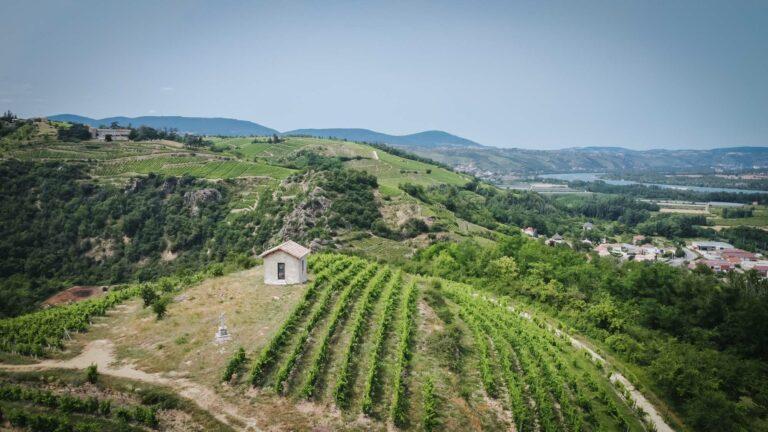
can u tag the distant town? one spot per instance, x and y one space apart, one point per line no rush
720 257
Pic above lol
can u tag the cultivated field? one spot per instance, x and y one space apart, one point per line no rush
416 353
205 167
362 346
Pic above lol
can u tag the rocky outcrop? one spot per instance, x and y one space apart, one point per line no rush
168 186
305 215
193 199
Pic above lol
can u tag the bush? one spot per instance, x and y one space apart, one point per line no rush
160 307
159 399
92 374
75 132
413 227
148 294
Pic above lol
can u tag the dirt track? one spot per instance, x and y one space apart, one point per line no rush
101 353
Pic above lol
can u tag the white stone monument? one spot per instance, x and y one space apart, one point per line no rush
222 334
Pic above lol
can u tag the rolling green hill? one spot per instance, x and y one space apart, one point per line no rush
389 169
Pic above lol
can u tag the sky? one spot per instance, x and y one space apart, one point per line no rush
540 74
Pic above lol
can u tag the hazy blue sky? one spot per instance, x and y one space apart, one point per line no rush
538 74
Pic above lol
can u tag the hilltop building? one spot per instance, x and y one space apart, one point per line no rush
102 134
285 264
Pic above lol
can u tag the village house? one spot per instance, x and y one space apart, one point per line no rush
102 134
737 256
649 249
715 265
588 226
530 231
630 249
555 240
644 257
760 267
626 251
285 264
604 249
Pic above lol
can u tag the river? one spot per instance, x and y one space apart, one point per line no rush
589 177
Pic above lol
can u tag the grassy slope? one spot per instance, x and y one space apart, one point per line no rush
245 156
387 168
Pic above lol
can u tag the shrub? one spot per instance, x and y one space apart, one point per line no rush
92 373
148 294
160 307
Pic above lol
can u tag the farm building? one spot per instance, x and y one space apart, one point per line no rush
285 264
109 134
711 246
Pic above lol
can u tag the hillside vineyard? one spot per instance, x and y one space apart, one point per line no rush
534 373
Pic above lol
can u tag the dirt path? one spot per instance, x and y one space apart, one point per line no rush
643 403
375 155
102 354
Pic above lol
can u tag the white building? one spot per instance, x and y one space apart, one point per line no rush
711 246
285 264
109 134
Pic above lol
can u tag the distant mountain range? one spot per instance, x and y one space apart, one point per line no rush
429 139
232 127
192 125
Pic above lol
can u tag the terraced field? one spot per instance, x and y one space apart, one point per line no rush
262 149
427 353
191 165
91 150
251 147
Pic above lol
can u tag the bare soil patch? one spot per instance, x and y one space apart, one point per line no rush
75 294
